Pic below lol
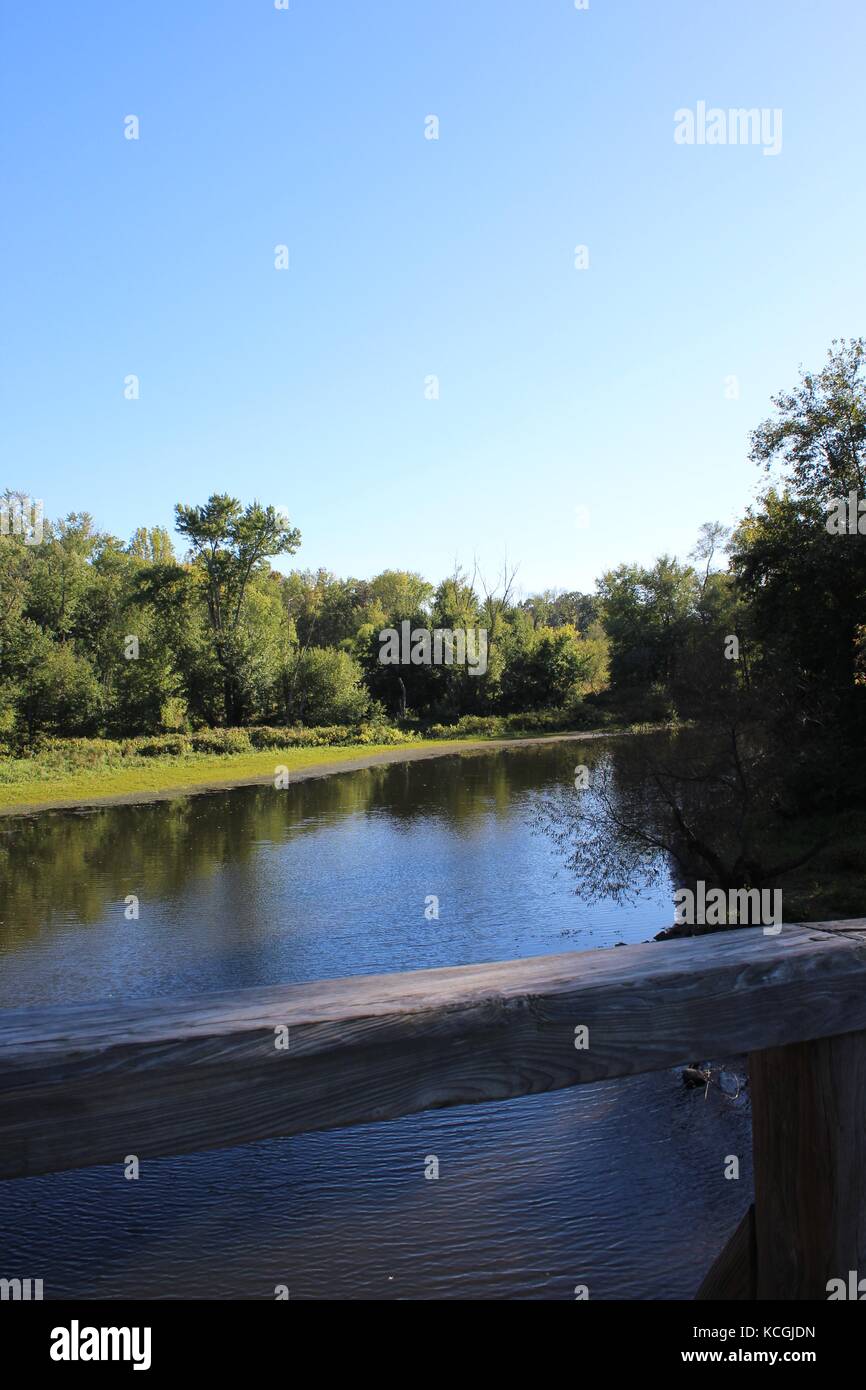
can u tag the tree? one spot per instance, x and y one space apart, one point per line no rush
55 690
554 608
61 573
326 610
153 546
647 614
229 544
401 593
453 690
547 669
329 688
711 801
805 587
712 537
497 599
819 432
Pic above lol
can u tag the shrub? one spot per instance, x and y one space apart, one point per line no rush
72 753
470 726
161 746
541 721
266 737
588 716
577 716
642 704
480 725
173 715
381 733
328 735
221 741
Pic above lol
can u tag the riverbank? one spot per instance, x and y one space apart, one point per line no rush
197 774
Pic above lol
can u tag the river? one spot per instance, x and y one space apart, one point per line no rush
619 1186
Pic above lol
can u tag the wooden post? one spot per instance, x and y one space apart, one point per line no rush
809 1141
732 1275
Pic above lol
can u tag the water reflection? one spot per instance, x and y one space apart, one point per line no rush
330 877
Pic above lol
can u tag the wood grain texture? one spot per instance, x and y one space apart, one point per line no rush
733 1275
90 1084
809 1140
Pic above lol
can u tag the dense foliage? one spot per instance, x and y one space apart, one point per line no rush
767 659
101 638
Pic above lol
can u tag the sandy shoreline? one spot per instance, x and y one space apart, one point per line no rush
398 754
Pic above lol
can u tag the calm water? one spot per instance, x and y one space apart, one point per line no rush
619 1186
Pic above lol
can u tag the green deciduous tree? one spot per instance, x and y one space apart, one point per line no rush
229 544
328 688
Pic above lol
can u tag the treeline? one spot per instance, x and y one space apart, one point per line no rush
765 624
101 637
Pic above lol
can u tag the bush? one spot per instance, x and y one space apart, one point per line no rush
584 715
642 704
471 726
67 755
328 735
266 737
543 721
173 715
72 753
220 741
305 738
160 746
381 733
481 725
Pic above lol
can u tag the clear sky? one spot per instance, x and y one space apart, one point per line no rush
561 389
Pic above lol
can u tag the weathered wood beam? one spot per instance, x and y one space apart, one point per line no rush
733 1274
89 1084
809 1142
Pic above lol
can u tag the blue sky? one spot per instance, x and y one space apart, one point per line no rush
560 389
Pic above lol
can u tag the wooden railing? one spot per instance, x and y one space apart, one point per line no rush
89 1084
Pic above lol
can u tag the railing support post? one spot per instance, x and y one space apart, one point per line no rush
809 1143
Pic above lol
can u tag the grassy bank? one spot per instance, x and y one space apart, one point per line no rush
35 786
80 772
68 772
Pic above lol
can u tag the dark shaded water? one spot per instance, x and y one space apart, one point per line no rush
619 1186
